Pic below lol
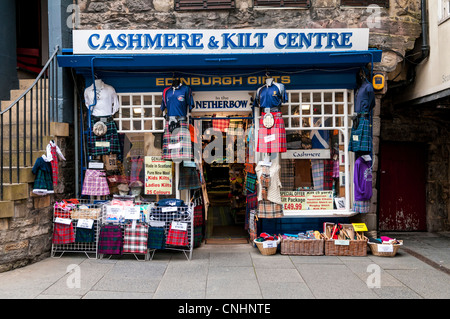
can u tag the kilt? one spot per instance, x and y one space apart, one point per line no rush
328 174
111 137
110 240
63 234
268 209
177 237
95 183
135 239
180 139
317 168
189 178
84 235
361 206
276 145
156 238
361 137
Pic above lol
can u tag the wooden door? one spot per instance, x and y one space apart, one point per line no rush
402 187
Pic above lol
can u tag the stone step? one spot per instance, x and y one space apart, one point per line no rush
24 143
6 209
15 191
21 161
25 175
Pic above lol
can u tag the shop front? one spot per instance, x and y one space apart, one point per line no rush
254 130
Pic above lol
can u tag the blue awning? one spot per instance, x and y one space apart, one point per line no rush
139 72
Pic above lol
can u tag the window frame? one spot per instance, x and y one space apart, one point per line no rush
364 3
192 5
277 4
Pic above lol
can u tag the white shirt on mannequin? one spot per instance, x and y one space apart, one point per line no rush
107 99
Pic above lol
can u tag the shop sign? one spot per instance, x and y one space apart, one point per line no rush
307 154
314 200
223 101
220 41
158 176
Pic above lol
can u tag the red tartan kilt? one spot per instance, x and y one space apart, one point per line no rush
275 146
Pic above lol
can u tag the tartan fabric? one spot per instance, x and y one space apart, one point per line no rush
95 183
252 204
317 167
84 235
268 209
136 166
336 168
156 238
110 240
328 174
111 136
63 234
135 239
265 183
43 182
177 237
287 174
251 145
180 135
361 137
236 128
250 184
198 215
221 124
278 145
54 163
189 178
361 206
198 235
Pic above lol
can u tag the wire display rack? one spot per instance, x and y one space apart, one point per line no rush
81 220
178 225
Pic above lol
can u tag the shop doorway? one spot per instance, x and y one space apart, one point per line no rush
402 187
225 184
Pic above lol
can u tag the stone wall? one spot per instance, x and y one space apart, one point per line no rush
27 236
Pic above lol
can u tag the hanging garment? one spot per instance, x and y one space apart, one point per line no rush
317 168
272 140
110 241
328 174
156 238
136 166
189 178
268 209
63 234
53 151
177 237
177 100
221 124
43 182
361 133
177 144
362 179
107 143
271 95
135 239
95 183
252 204
361 207
250 183
287 174
107 99
272 176
84 235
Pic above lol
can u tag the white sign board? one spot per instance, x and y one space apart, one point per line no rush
222 101
219 41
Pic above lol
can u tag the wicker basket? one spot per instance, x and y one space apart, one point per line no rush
374 250
307 247
267 250
347 248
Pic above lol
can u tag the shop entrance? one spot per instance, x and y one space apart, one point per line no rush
224 171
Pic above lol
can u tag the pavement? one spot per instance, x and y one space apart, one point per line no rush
420 270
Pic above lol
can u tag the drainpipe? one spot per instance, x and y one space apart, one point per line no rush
425 49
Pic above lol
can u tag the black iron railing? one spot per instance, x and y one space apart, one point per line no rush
34 110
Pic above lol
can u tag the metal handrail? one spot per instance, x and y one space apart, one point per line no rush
42 107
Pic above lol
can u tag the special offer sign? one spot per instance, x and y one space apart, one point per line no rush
311 200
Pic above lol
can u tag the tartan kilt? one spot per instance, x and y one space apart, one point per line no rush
156 238
111 136
95 183
361 206
180 135
135 240
63 234
361 137
110 240
177 237
278 145
268 209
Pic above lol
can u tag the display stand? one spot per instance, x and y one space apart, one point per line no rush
79 215
183 217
